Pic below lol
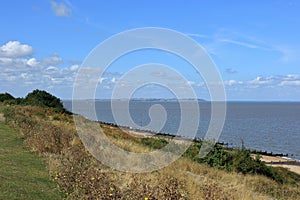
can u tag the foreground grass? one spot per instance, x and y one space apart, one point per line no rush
23 175
80 176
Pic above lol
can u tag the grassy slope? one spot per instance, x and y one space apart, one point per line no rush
80 176
23 175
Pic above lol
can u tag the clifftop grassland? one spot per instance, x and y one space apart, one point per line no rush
224 174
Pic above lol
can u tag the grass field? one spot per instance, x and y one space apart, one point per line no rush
23 175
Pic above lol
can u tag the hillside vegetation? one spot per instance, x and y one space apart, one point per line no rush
223 174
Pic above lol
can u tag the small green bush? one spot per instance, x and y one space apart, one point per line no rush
193 151
154 143
219 158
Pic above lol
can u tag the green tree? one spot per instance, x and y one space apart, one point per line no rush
44 99
6 97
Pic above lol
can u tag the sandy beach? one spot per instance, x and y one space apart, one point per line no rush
286 163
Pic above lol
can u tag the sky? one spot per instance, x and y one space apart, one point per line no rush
255 45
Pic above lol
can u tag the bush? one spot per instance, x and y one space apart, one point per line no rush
44 99
219 158
154 143
193 151
6 97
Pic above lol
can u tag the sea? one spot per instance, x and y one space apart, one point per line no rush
272 127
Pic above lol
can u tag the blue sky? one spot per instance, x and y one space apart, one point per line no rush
254 44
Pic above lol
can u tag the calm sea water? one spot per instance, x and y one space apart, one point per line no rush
266 126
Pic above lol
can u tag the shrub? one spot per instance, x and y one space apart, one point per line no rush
6 97
193 151
154 143
44 99
219 158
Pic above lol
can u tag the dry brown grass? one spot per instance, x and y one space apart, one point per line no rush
80 176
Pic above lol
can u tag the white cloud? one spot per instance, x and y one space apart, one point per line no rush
243 40
14 49
233 82
243 44
24 75
190 83
197 35
292 76
52 61
19 74
219 40
52 68
268 82
12 64
113 80
290 83
74 67
102 79
32 62
201 84
107 87
5 61
60 9
262 80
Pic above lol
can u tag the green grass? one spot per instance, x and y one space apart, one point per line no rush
23 175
